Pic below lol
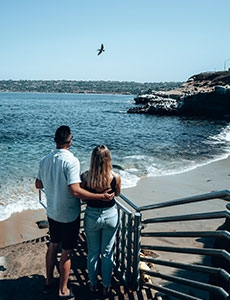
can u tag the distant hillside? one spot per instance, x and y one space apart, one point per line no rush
71 86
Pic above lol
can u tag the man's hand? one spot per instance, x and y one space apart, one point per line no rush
38 184
108 196
77 191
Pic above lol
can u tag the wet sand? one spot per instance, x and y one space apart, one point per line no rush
21 227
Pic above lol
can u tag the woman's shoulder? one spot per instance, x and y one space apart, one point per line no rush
114 174
116 184
116 177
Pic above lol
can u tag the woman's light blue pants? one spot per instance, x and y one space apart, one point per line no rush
100 227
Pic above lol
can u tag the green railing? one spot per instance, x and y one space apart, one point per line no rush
147 256
136 247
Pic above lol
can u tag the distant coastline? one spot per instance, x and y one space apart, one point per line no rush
85 87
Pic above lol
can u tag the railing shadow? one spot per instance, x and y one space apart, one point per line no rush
79 279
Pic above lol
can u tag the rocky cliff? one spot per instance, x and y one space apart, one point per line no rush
205 94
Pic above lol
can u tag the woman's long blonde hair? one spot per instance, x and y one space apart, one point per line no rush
99 175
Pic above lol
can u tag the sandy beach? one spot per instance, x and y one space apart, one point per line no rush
211 177
23 244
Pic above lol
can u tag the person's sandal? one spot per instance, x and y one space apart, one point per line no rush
67 297
50 287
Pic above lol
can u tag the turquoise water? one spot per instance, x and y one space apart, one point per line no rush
142 145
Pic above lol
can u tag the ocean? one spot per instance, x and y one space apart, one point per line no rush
141 145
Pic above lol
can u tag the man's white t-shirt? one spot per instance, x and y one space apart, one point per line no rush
57 170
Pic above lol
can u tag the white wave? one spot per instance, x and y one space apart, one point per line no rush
24 203
154 171
16 201
128 179
139 157
222 137
25 198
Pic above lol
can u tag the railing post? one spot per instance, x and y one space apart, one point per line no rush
135 279
228 222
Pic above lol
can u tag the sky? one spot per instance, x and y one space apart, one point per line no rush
144 40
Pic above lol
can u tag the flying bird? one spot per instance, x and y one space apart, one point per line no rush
102 49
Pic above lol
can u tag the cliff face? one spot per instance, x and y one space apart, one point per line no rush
205 94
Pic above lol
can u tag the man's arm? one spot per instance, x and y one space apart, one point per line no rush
77 191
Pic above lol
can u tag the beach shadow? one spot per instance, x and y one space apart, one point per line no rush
27 287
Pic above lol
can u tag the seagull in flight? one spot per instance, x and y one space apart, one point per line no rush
102 49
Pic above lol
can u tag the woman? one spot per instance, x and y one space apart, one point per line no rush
101 218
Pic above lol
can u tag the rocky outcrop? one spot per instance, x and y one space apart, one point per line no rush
205 94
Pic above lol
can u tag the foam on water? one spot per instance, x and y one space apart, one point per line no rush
222 137
22 199
19 201
129 179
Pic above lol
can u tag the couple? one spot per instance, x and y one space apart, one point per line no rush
59 174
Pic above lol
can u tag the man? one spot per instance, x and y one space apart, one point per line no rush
59 175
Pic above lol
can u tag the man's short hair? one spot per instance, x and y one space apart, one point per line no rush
62 134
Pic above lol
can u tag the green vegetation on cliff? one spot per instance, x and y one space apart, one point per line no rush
72 86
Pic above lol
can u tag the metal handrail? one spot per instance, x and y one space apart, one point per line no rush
40 197
171 292
209 196
132 228
217 290
130 203
192 267
190 217
211 234
202 251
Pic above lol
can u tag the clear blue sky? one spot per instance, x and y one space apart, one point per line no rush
145 40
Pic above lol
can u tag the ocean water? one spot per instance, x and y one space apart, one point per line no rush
140 145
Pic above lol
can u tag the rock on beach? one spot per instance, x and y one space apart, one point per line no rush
205 94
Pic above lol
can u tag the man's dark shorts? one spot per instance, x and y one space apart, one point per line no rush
65 233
